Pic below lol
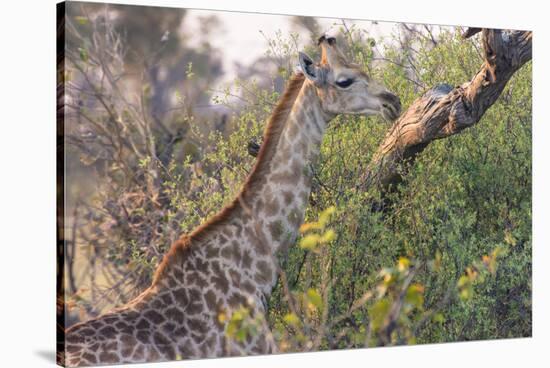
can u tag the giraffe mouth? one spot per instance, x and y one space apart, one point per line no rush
391 106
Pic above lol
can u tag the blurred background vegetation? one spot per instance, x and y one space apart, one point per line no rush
154 146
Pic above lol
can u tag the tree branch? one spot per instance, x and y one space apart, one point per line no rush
444 111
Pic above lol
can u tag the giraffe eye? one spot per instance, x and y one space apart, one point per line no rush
344 83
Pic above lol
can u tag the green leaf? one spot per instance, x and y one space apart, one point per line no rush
328 236
241 335
414 295
403 264
378 313
325 215
315 298
310 241
438 318
291 319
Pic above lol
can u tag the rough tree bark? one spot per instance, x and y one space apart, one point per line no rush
444 111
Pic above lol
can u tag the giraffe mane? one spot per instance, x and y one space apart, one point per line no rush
256 177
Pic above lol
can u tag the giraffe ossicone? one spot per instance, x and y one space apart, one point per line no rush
230 261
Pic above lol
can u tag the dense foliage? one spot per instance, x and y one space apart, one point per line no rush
448 260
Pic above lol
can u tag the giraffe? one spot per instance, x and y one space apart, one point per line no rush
230 260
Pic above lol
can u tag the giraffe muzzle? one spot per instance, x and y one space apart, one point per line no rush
391 106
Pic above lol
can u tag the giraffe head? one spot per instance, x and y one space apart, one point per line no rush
344 88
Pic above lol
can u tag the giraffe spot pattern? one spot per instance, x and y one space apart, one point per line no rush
179 316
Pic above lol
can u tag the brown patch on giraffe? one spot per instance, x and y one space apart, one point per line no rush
181 331
167 298
210 342
235 277
195 302
272 206
74 338
236 254
154 316
237 300
120 325
226 230
293 131
248 287
197 326
73 348
276 230
152 353
127 351
130 315
222 239
226 252
219 279
258 239
186 350
160 339
109 346
143 336
212 250
194 278
110 319
264 273
86 332
288 197
259 205
74 362
157 304
108 332
211 300
168 351
177 274
139 353
174 314
90 358
128 340
108 357
96 324
202 265
222 341
246 259
238 230
203 348
181 296
168 328
143 324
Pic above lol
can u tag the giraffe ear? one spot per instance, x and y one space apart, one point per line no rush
310 70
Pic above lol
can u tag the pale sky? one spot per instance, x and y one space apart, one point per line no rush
240 39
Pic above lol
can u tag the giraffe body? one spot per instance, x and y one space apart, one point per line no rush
231 260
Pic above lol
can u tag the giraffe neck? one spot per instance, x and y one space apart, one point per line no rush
280 203
235 251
